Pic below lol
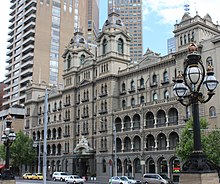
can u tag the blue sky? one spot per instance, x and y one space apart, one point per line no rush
159 17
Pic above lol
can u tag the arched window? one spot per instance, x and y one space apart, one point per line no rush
104 46
123 86
141 82
82 59
132 85
132 101
189 38
104 166
154 78
181 40
166 94
184 39
209 61
165 77
212 111
68 62
123 103
192 39
155 97
120 46
142 99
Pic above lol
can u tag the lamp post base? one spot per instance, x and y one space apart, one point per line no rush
198 163
199 178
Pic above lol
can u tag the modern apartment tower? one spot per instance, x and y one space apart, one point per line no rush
39 32
131 15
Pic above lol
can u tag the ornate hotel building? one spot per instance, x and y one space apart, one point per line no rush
113 111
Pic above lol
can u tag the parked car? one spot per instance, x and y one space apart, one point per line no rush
74 179
132 180
151 178
7 174
119 180
37 176
61 176
27 176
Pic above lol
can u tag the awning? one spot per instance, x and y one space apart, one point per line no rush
2 166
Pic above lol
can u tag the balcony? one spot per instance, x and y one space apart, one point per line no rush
102 130
103 111
66 135
85 133
103 94
66 119
164 82
123 92
66 104
153 84
132 90
85 99
103 150
84 115
141 87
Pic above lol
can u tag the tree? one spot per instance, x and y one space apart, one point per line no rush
209 139
21 150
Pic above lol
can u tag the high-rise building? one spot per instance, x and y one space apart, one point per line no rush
39 32
131 15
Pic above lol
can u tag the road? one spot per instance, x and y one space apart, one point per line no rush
20 181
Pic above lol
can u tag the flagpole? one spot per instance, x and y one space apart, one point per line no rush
45 137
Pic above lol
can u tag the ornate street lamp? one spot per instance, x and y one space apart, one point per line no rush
8 137
188 90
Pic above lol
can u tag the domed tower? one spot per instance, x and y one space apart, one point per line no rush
113 44
76 51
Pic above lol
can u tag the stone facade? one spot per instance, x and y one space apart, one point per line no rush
122 111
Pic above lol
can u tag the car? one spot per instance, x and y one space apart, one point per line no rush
37 176
74 179
119 180
152 178
7 175
164 176
27 176
61 176
132 180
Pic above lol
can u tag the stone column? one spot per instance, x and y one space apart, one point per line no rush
167 120
155 122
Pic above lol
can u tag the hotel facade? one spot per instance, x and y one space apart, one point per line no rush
114 111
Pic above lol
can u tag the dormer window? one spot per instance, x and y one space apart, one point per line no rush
120 46
104 46
82 59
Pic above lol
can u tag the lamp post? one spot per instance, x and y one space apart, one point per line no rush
8 137
188 90
37 146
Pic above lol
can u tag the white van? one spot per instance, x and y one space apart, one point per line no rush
151 178
61 176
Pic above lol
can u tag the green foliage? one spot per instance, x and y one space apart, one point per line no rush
21 150
210 142
212 148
